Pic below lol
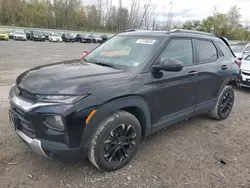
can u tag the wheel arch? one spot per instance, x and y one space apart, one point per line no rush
135 105
230 80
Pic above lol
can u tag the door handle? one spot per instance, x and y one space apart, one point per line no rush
224 67
193 73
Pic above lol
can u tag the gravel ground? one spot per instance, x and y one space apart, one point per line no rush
197 153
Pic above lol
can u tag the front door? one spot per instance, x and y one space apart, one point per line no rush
174 93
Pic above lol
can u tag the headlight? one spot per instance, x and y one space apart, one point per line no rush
66 99
55 122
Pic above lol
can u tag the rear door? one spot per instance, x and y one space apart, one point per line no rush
211 69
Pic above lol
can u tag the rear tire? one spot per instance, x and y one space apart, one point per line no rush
224 104
115 141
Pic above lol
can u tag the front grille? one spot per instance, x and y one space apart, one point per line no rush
246 83
23 121
246 73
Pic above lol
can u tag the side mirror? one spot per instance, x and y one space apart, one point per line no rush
84 54
246 52
170 65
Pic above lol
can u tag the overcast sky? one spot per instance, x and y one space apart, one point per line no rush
193 9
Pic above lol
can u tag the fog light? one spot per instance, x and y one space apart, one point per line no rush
55 122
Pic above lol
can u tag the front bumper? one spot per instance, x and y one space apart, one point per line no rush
34 144
56 40
39 38
245 78
27 119
20 38
4 38
53 150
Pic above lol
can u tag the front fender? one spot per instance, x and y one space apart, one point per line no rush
110 107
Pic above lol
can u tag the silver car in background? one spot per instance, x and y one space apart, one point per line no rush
19 35
245 71
241 50
55 37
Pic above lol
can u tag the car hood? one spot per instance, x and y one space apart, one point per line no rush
245 65
19 35
71 77
98 38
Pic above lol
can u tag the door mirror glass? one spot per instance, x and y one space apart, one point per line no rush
170 65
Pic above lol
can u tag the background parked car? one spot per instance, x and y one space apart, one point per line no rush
4 36
11 33
104 38
37 36
82 38
245 71
46 34
95 39
55 37
19 35
68 37
241 50
27 32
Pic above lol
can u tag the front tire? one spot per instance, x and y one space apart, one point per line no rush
115 141
224 104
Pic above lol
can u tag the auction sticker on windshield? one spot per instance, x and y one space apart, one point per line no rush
145 41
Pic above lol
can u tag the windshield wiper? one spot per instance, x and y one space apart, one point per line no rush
105 64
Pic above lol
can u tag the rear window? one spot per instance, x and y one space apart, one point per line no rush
206 51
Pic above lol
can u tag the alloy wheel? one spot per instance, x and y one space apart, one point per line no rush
227 103
119 143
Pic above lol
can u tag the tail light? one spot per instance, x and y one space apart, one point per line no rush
238 62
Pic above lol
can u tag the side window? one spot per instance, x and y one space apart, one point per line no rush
179 49
206 51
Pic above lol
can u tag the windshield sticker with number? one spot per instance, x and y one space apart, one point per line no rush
145 41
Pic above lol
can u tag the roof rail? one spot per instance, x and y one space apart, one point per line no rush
190 31
129 30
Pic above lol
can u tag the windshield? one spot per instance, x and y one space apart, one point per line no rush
37 33
124 50
237 48
69 35
19 33
55 35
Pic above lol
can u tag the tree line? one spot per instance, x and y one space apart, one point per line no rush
104 16
72 14
226 25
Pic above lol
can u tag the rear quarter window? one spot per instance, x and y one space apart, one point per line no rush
224 49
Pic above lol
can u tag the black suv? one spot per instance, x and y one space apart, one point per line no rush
68 37
37 36
132 85
82 38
